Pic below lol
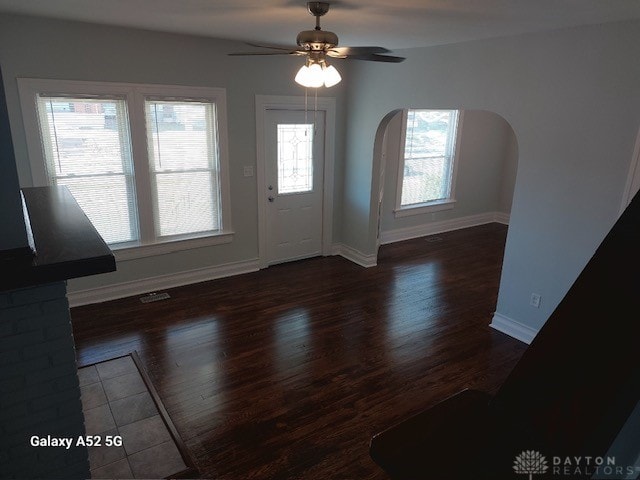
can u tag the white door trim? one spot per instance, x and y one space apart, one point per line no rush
276 102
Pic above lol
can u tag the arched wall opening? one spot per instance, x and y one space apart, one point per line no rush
486 156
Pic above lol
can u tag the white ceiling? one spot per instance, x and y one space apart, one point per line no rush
395 25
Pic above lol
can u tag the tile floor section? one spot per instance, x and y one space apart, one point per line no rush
116 401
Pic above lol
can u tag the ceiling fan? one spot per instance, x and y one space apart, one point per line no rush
316 45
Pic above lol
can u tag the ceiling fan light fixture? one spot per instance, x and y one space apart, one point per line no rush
302 76
331 75
315 75
310 76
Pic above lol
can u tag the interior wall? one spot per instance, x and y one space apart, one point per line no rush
572 97
485 171
509 171
47 48
11 214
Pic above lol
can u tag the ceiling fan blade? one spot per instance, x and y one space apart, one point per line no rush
348 51
281 50
377 58
238 54
272 47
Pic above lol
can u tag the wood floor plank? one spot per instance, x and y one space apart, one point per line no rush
289 371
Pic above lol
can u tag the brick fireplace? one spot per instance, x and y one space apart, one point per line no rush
39 384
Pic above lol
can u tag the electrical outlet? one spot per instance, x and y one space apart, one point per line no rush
535 300
247 171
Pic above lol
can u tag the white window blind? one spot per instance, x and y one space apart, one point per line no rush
87 148
429 151
184 165
147 163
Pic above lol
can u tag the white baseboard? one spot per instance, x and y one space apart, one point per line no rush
432 228
355 256
512 328
146 285
502 217
153 284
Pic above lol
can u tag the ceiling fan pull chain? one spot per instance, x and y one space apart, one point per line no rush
306 90
315 113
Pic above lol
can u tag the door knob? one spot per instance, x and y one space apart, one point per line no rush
270 187
271 198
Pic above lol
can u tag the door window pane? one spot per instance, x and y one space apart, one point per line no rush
295 158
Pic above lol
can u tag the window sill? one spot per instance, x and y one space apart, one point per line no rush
423 208
170 246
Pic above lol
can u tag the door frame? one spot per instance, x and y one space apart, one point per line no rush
265 103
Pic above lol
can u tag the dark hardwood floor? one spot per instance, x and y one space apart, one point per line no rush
287 373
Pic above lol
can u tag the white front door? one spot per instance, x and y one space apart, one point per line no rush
294 173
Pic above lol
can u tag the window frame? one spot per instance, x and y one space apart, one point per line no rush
59 175
135 95
435 205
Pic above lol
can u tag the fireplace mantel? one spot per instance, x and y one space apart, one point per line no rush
66 243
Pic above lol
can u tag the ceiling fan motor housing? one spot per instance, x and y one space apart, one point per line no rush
317 39
318 9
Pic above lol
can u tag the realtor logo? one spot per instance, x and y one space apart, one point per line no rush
530 463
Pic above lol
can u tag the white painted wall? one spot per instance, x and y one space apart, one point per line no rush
486 171
11 214
573 99
509 171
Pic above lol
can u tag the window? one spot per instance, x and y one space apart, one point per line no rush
87 148
426 176
295 158
147 163
181 142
